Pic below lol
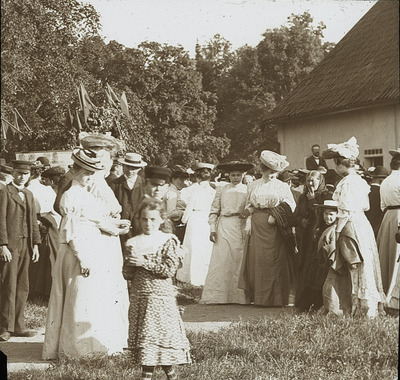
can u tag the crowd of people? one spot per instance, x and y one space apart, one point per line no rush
111 239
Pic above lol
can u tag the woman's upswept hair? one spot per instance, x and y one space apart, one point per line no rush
347 162
395 162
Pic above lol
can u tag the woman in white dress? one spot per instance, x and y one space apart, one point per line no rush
355 239
85 314
198 198
228 236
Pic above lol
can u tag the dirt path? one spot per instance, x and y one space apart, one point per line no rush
26 352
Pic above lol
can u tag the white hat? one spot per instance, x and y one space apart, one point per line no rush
394 152
273 160
133 159
203 165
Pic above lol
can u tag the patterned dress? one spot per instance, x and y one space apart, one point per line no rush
156 331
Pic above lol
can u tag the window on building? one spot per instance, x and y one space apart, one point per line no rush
373 157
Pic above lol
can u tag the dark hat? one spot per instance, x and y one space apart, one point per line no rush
44 161
161 161
285 176
157 172
233 166
53 172
6 169
87 159
22 166
133 159
179 171
394 152
378 172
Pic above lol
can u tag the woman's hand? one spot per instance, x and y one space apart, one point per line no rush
135 260
271 220
245 214
85 272
213 237
353 266
305 223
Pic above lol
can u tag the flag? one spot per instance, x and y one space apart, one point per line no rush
19 117
69 119
124 105
85 102
110 99
77 122
113 96
6 131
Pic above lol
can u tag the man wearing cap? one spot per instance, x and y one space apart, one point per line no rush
174 203
315 160
129 188
19 239
197 236
388 246
5 175
374 214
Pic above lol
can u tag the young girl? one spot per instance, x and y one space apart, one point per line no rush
156 331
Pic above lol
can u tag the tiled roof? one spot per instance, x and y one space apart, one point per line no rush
362 70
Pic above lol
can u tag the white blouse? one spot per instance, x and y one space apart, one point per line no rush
267 194
229 200
390 190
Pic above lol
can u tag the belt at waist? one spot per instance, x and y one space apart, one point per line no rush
393 207
234 214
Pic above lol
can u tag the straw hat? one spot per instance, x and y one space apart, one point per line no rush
273 160
22 166
328 203
394 152
86 159
133 159
203 165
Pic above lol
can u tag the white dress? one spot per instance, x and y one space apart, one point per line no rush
86 314
197 236
351 195
222 280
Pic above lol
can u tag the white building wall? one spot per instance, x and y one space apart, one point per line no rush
374 128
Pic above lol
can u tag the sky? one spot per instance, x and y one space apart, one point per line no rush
241 22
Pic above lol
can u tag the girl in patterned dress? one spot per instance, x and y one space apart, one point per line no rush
156 331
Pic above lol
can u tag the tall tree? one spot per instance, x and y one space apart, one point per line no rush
262 76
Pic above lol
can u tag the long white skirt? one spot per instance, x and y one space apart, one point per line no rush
199 247
222 280
88 314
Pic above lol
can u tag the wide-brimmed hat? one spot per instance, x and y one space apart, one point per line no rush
378 172
133 159
394 152
285 176
179 171
99 141
347 149
235 166
203 165
328 203
273 160
53 172
22 166
87 159
157 172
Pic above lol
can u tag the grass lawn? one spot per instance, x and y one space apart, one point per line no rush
295 346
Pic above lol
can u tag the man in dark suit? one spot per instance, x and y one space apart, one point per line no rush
375 214
129 188
19 239
315 160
